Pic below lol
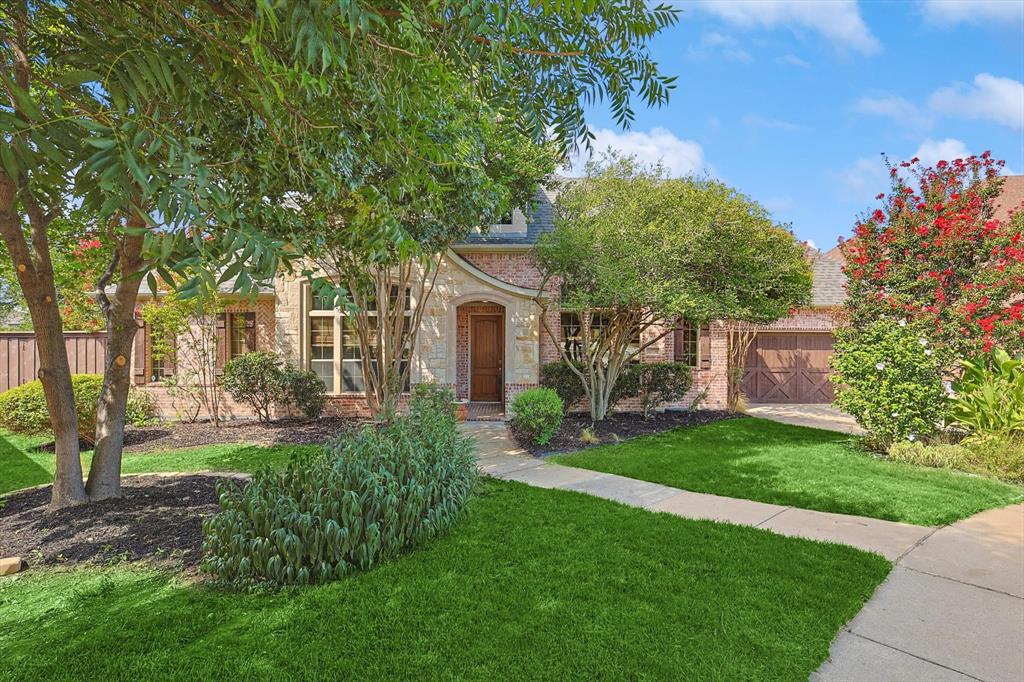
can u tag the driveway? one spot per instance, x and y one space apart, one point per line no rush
818 416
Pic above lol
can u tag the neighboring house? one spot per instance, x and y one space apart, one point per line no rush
482 334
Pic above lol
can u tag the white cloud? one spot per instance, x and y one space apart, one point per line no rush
932 151
680 157
793 60
863 179
989 98
757 121
897 108
715 44
952 12
837 20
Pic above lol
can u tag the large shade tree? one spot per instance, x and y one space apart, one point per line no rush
635 251
186 126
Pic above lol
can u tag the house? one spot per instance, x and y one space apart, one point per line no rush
481 332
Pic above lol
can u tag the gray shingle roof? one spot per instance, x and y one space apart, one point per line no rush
827 288
540 218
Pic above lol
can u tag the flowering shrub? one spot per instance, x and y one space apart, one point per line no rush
890 379
932 254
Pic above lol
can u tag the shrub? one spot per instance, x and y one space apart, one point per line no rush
373 493
536 415
889 379
23 408
559 377
997 456
255 379
140 409
655 383
305 391
430 398
988 400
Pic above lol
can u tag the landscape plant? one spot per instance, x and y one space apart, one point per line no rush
304 390
988 398
654 383
633 251
257 380
374 492
535 415
890 379
563 380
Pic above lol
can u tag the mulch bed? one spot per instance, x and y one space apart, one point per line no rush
159 520
618 427
171 436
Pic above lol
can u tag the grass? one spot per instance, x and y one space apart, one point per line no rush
533 584
761 460
22 465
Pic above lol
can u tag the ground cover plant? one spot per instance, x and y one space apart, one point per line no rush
766 461
488 598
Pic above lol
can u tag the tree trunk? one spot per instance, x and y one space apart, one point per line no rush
55 374
105 472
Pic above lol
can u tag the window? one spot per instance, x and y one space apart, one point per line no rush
238 336
326 346
505 219
157 367
687 344
572 335
321 357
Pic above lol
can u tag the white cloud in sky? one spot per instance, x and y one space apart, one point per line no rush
837 20
680 157
899 109
989 97
932 151
952 12
793 60
716 44
758 121
863 179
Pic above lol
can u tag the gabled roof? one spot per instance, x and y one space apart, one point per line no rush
540 218
828 281
1010 198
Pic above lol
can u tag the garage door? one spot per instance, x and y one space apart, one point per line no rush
789 368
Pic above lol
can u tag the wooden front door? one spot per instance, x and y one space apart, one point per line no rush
486 344
791 367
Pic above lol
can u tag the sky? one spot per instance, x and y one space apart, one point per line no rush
793 103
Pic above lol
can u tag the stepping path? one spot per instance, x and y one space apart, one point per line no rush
952 608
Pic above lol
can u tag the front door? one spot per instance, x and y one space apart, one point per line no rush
486 343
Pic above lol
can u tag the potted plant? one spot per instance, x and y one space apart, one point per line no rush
461 409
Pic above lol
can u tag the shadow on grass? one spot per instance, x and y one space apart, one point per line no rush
18 469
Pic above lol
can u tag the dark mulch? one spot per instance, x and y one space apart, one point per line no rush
159 519
619 427
171 436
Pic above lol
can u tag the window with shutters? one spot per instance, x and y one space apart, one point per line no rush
238 336
687 344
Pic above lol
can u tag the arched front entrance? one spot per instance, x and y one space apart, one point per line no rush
480 352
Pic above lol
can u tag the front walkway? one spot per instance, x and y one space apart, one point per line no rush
817 416
953 607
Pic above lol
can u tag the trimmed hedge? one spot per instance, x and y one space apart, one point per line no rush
536 415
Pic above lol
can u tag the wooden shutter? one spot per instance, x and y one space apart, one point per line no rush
704 346
677 342
250 332
139 372
222 342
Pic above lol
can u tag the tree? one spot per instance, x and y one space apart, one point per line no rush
634 252
385 288
186 127
934 257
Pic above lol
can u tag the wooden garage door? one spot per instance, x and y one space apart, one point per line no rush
789 368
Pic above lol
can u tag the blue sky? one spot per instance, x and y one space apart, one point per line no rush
792 103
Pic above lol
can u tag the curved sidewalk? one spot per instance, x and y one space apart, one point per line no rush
952 608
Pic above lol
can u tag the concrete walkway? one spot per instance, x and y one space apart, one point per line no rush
812 415
952 609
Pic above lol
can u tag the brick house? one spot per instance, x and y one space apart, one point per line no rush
481 332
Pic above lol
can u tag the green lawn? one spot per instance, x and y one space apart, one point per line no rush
21 465
533 584
762 460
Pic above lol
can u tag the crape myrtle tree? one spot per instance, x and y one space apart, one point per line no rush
185 127
635 250
385 287
933 270
934 256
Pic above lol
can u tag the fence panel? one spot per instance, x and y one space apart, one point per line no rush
19 360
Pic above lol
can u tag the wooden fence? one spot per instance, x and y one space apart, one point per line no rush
19 361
